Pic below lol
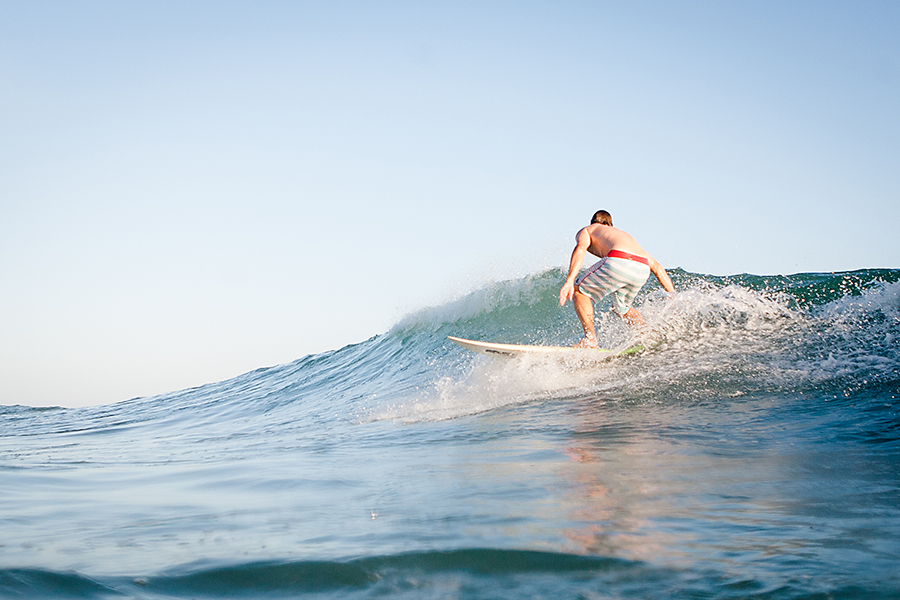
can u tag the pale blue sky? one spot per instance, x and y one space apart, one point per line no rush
191 190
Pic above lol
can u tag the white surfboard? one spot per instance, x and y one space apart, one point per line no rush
512 350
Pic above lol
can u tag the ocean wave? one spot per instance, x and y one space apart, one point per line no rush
717 336
463 574
279 579
767 405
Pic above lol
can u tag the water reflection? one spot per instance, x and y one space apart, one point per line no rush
738 493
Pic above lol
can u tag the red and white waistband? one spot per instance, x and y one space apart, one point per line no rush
627 256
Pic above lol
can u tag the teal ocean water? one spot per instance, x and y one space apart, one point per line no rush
751 451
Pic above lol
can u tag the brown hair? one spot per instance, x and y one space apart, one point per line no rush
602 217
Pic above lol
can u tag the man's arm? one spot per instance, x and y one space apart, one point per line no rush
582 243
661 275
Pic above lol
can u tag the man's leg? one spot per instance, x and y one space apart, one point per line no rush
634 318
624 296
584 308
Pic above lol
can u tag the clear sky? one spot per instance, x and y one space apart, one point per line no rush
191 190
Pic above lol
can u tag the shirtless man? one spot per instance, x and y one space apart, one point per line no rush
622 272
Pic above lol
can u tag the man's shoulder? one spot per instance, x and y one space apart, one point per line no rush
598 230
585 231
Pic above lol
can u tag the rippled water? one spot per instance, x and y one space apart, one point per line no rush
753 451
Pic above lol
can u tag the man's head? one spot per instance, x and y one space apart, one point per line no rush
602 217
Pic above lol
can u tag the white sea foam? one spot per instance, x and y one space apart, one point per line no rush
704 342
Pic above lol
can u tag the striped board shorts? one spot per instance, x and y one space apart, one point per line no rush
621 277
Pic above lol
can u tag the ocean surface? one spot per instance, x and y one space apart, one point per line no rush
752 450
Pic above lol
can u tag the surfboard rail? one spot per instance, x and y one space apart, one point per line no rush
512 350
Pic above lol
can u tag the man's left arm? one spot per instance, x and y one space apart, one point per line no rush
660 273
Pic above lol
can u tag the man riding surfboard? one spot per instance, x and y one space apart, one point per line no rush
622 271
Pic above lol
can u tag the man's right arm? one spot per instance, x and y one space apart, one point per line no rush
582 243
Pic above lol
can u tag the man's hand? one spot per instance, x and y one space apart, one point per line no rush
567 292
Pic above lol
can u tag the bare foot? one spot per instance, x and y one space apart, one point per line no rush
586 343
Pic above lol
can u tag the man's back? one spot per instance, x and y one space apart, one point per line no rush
606 237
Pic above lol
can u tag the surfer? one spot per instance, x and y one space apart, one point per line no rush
622 272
